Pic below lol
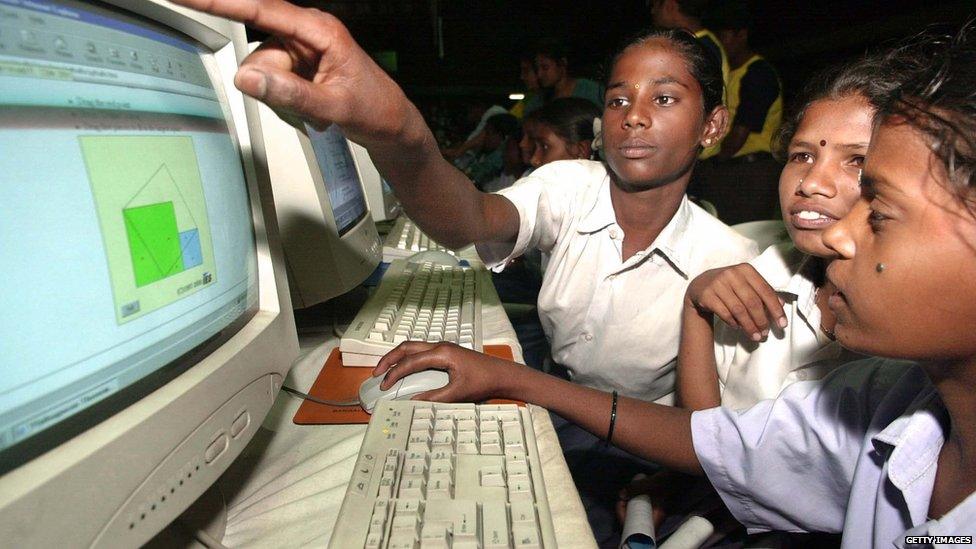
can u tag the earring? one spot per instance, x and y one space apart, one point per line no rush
879 267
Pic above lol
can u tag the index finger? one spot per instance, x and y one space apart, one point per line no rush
402 350
768 296
275 17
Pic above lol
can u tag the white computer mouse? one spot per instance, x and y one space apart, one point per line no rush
437 257
427 380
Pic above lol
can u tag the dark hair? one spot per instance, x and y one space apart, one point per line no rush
503 124
703 67
694 8
870 77
570 118
729 15
938 98
552 48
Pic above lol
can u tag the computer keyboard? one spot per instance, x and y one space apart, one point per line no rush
405 239
418 302
457 476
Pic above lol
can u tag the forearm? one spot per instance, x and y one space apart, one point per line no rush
435 194
658 433
697 373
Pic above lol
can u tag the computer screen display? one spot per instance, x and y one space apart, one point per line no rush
339 173
127 235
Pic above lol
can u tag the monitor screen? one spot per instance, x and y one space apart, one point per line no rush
128 242
339 173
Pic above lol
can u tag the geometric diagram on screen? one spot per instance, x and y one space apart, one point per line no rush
163 236
149 197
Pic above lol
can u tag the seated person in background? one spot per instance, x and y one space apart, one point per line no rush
513 168
688 15
478 113
878 451
533 97
556 80
782 330
624 239
740 180
490 160
563 130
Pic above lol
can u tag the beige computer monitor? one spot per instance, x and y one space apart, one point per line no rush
383 204
135 370
329 237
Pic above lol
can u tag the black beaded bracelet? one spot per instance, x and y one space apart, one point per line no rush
613 419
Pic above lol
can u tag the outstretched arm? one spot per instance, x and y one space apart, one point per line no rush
655 432
313 69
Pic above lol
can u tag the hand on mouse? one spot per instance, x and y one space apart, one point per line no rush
312 68
740 296
474 376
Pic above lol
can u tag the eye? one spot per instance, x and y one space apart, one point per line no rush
617 102
801 157
857 161
876 219
665 100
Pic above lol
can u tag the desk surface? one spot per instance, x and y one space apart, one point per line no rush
285 490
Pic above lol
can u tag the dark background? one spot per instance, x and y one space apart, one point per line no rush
481 38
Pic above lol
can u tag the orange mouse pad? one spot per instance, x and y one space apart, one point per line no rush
338 383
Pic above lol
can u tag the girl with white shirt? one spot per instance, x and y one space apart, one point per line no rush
775 325
738 363
880 451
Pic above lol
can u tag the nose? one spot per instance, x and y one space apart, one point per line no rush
637 117
840 237
820 179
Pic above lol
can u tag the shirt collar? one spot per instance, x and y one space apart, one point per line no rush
672 242
601 214
915 440
801 285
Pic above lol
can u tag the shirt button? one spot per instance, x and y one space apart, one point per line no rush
613 234
587 336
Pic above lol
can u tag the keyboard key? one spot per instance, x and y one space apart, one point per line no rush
525 536
494 525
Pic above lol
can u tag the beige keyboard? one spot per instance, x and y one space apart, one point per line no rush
417 302
405 239
439 476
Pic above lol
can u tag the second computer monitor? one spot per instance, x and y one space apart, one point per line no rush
383 204
328 234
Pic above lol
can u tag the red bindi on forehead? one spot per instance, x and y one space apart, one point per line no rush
823 142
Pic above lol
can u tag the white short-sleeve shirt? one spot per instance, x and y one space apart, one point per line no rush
751 371
613 324
856 453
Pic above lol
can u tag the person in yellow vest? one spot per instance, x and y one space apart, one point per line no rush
688 15
740 180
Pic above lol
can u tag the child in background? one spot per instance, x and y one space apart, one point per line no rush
490 160
562 130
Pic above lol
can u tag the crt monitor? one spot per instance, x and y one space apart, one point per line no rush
146 322
383 204
330 240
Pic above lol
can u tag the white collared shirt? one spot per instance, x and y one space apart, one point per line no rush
613 324
855 453
749 371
